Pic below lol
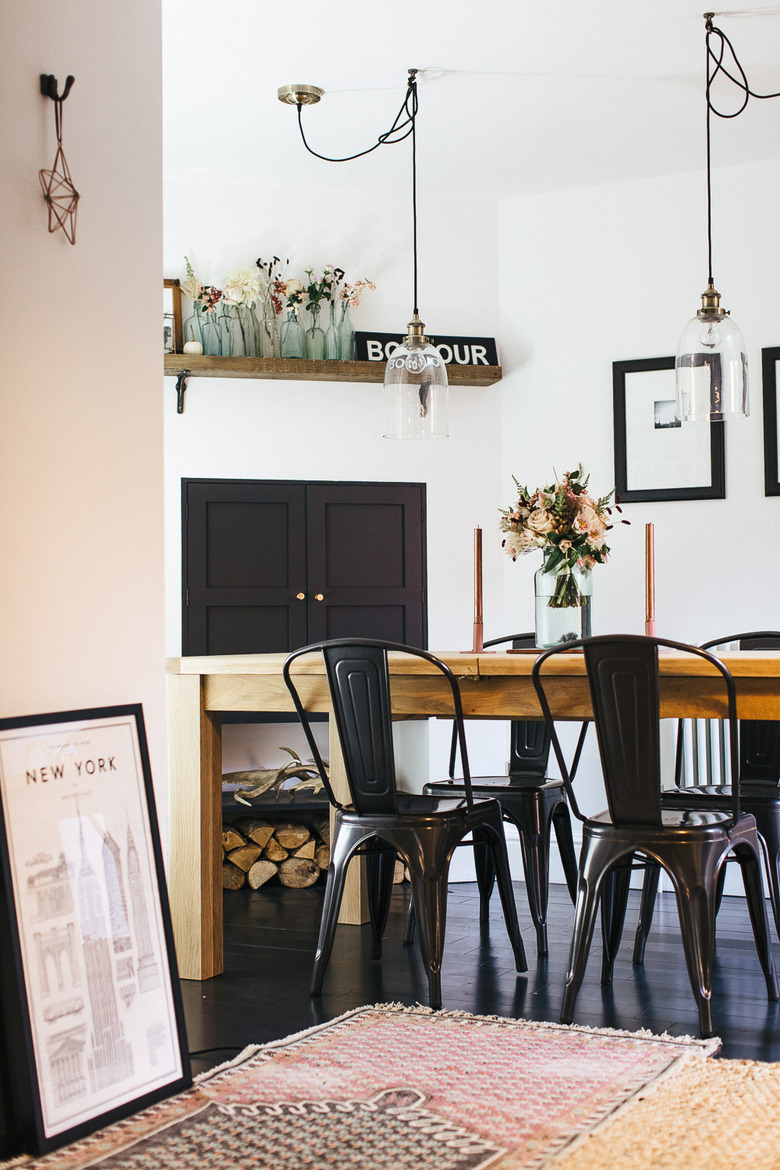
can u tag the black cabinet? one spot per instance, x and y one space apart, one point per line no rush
270 565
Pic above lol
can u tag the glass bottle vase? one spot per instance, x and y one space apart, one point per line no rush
291 336
332 336
346 335
314 339
268 330
193 326
563 603
242 324
212 334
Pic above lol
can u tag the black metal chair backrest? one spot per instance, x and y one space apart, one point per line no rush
529 743
358 676
759 739
622 673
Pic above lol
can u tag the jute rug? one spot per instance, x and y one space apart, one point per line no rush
389 1086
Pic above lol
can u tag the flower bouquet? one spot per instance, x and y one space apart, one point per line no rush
570 527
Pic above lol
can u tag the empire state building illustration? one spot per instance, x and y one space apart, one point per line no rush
148 971
111 1056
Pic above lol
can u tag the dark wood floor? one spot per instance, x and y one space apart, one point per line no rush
270 937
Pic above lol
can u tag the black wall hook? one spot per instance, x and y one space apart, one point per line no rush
49 86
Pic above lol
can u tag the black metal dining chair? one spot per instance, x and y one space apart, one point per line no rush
759 784
690 845
381 821
530 800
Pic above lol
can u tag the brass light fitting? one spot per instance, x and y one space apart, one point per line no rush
710 303
299 95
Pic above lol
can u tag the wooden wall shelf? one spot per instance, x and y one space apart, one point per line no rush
303 370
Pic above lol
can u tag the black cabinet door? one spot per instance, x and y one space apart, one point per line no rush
272 565
244 566
366 561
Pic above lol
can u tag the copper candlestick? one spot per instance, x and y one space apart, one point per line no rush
649 581
477 646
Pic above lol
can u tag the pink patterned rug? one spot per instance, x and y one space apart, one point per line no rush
389 1086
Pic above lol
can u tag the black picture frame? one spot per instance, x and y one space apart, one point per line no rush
769 360
695 446
89 989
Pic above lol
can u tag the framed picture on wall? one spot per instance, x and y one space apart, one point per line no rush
92 1013
770 358
172 319
656 456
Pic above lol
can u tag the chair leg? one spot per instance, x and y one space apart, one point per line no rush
430 901
486 874
595 861
562 824
380 865
507 894
614 899
646 911
754 893
769 839
346 839
696 905
427 854
533 819
411 923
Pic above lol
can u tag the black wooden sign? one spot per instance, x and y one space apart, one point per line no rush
454 351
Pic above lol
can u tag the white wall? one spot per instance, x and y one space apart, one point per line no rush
81 592
320 430
613 273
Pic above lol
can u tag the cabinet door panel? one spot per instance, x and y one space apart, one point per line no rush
245 563
366 553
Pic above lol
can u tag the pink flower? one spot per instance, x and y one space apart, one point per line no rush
540 521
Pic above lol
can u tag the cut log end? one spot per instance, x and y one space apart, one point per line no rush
298 872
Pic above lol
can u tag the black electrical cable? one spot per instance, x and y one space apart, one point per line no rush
714 66
385 139
741 82
390 137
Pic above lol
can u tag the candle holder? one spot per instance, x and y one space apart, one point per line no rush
477 645
649 580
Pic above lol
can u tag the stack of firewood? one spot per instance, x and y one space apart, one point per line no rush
254 851
293 854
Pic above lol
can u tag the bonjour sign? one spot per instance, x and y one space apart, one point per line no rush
454 351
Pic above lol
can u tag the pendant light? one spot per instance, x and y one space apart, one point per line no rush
415 384
416 389
711 374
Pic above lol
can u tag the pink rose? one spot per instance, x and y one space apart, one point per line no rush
540 521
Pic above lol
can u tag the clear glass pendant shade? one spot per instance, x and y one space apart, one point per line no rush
711 375
416 394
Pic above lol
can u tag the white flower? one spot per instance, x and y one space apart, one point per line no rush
243 288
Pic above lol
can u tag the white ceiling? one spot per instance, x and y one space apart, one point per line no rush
515 97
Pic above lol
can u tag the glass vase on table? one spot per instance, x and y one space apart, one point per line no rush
563 600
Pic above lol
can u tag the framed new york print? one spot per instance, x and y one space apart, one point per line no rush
91 1003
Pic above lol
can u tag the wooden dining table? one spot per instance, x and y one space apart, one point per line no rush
493 686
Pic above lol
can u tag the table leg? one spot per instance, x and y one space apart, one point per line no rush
354 904
195 818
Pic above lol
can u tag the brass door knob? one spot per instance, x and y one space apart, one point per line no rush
318 597
300 596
